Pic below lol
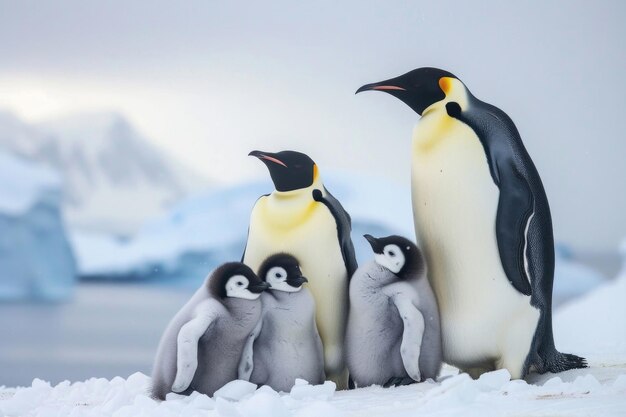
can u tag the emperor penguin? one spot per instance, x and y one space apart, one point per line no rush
286 343
302 218
203 346
393 335
483 220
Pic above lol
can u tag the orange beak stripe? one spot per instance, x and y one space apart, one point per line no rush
275 160
388 87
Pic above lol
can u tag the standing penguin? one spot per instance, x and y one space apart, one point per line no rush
393 335
287 344
302 218
483 220
202 347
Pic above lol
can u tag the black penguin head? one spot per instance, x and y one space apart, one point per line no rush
397 254
290 170
418 89
235 280
282 272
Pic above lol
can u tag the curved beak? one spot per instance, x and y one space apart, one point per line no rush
267 156
259 287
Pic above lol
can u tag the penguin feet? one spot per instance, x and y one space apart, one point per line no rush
397 381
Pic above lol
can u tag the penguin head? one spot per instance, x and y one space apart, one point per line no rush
282 272
236 280
289 170
397 254
418 89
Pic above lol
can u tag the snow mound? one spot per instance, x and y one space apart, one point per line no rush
35 257
593 325
235 390
492 395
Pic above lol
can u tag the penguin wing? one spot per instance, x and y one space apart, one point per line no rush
344 227
413 321
246 364
190 333
500 137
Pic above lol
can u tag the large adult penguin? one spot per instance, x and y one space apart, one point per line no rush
302 218
482 217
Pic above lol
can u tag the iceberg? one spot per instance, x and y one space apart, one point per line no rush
209 228
36 260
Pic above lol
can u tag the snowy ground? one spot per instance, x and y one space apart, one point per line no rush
593 326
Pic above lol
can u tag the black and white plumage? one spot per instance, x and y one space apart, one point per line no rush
482 217
203 345
286 343
302 218
393 334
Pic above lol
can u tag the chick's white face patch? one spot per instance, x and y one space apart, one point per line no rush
237 287
392 258
277 278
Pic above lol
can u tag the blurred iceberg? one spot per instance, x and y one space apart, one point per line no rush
210 228
36 260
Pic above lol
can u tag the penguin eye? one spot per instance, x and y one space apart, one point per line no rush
239 283
392 253
278 275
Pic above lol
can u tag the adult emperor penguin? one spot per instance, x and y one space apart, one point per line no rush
286 343
302 218
483 220
393 335
203 346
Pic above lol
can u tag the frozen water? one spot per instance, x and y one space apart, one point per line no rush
36 260
323 391
235 390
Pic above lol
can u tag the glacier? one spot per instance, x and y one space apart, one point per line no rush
210 227
36 260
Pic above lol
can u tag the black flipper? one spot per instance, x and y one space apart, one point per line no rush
523 225
516 202
344 227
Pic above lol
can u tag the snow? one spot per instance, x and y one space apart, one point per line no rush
35 257
591 325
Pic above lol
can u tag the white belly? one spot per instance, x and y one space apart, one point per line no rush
455 203
313 240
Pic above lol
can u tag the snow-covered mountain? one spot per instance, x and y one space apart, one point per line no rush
113 178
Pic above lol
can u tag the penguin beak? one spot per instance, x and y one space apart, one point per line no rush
296 281
267 156
388 86
259 287
374 243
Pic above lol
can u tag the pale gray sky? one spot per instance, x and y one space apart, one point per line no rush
209 81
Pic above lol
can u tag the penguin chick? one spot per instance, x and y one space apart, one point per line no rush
202 346
393 335
287 344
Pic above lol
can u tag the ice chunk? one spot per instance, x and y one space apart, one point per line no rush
324 391
226 408
264 404
495 380
235 390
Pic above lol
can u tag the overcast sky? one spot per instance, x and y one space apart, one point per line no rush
210 81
